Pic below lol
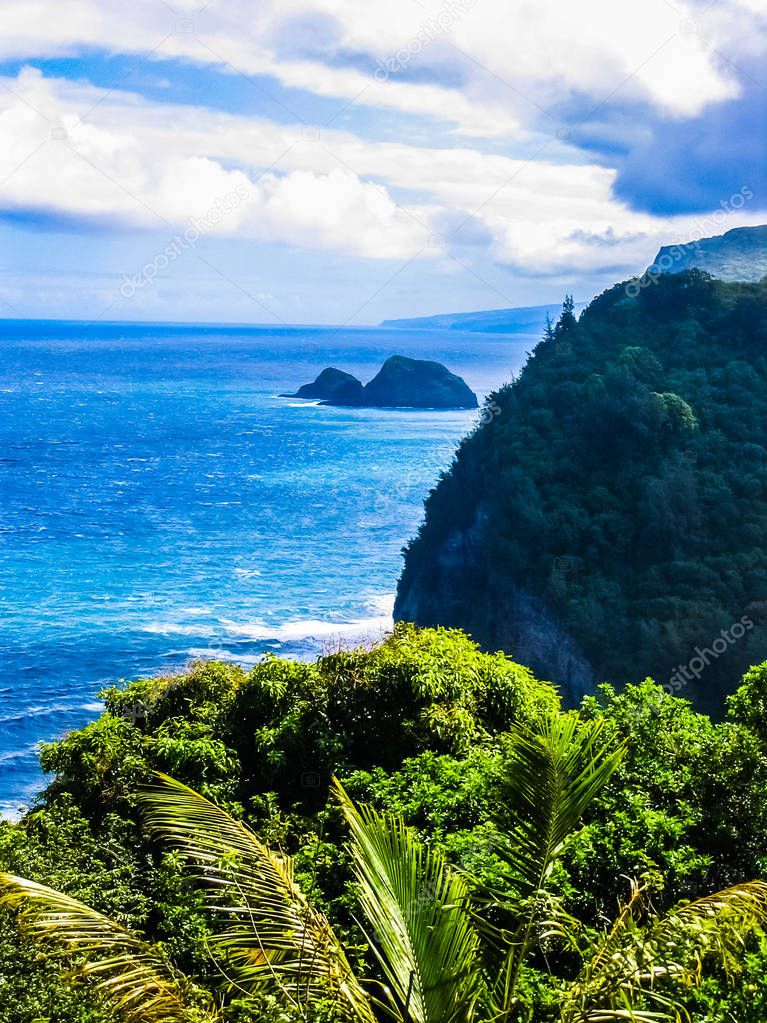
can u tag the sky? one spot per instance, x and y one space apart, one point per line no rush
338 161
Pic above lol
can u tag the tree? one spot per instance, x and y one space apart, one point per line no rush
548 331
567 318
449 951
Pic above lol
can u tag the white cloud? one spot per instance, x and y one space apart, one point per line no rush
129 164
496 81
153 165
508 59
336 210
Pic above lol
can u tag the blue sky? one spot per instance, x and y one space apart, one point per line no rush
329 162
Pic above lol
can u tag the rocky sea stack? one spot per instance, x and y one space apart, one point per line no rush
418 383
400 383
333 387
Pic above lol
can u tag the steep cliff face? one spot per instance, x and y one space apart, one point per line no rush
609 519
513 618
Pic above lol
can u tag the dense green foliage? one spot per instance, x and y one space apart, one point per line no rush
417 726
620 482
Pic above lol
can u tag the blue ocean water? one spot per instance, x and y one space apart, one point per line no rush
160 503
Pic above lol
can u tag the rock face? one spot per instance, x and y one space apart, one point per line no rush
738 255
400 383
333 387
509 618
417 383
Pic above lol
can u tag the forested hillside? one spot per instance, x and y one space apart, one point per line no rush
608 520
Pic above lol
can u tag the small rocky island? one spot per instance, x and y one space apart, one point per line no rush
400 383
334 387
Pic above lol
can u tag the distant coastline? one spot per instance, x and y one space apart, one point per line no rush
521 320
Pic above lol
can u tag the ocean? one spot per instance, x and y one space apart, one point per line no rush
161 503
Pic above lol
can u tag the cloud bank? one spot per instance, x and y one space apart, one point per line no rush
539 139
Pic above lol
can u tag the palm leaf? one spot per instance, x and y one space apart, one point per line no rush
131 975
555 769
619 974
417 912
649 963
270 936
716 926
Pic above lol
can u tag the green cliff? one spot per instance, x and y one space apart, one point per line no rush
608 520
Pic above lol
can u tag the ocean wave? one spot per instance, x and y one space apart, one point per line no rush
382 604
22 753
12 811
230 632
36 710
209 653
308 629
43 711
174 629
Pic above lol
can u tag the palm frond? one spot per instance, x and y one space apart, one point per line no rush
417 911
651 963
270 936
615 978
130 974
555 769
714 927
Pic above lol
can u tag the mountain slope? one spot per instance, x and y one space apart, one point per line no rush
738 255
609 519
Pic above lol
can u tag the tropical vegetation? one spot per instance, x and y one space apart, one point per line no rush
414 831
425 926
